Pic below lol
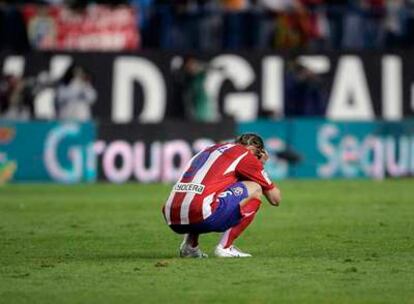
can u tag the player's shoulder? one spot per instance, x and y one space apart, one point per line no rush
240 152
231 148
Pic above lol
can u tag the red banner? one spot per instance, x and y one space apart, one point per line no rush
96 27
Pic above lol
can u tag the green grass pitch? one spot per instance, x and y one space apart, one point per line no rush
329 242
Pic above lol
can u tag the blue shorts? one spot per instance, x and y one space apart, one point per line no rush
226 215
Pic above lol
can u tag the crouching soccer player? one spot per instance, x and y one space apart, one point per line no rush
220 191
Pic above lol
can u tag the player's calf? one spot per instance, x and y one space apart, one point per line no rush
248 211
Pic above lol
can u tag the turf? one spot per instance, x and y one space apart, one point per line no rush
329 242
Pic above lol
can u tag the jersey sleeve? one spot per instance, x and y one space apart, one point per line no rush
252 169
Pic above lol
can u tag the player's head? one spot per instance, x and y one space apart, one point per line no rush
253 142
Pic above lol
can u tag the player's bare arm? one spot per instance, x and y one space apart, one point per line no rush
273 196
255 191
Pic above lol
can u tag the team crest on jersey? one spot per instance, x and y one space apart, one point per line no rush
237 191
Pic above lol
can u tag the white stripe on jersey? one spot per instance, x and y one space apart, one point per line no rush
234 164
198 178
207 205
266 177
167 210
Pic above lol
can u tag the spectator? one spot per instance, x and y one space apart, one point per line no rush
364 25
395 23
12 98
353 29
317 27
42 29
304 91
75 95
374 15
31 87
13 35
210 25
185 30
235 26
336 13
7 86
270 9
293 27
143 8
199 105
234 5
189 76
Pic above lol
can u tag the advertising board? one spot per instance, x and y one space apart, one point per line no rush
48 151
145 87
330 149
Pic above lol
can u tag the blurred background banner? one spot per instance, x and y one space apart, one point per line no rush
153 152
158 86
47 151
316 148
97 27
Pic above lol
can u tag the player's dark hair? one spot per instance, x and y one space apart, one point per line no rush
250 139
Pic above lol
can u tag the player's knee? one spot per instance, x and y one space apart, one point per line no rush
255 205
251 207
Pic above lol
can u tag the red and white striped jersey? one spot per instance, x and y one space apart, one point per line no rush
211 171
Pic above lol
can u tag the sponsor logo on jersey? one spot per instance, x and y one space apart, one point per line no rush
189 187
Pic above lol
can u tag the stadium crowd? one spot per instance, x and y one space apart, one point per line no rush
258 24
201 25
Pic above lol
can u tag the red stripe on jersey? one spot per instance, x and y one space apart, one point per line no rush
176 207
196 211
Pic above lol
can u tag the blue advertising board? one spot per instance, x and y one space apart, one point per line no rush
69 152
47 151
337 149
